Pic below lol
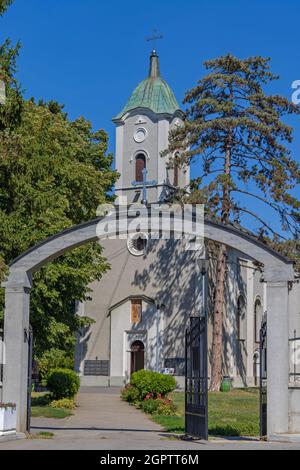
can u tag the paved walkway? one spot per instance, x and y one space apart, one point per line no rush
103 422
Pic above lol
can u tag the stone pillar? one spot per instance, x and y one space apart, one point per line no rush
277 357
16 330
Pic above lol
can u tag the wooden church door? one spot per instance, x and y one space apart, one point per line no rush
137 356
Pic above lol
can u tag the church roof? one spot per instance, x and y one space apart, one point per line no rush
152 93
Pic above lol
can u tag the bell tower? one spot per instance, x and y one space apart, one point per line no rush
142 133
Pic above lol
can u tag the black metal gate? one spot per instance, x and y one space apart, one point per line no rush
196 380
29 338
263 379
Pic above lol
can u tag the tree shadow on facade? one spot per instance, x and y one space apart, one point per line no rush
173 275
234 351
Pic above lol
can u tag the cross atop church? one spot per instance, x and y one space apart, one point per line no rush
155 37
145 185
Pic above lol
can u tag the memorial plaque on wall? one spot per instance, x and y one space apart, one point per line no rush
96 368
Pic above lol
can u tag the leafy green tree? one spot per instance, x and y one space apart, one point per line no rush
236 131
54 173
4 4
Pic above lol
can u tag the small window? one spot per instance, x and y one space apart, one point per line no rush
136 311
137 244
241 318
140 165
258 315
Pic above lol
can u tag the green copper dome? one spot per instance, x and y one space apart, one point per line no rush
153 93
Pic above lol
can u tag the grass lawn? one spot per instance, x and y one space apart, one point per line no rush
40 407
235 413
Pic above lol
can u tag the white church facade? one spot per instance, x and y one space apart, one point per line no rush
142 305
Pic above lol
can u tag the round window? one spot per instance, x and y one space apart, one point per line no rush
140 135
137 244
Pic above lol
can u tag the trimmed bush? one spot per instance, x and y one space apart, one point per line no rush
63 403
150 406
166 408
149 382
158 406
54 359
63 383
130 394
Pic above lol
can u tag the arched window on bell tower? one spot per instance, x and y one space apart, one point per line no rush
140 165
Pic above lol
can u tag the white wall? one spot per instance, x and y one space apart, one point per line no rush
124 333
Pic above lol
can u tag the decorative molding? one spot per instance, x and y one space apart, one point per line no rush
143 297
258 298
144 152
150 114
141 120
140 135
131 246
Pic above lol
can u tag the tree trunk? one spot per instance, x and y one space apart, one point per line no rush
217 345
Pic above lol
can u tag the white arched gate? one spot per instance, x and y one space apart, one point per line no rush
277 273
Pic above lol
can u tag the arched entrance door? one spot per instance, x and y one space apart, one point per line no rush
137 357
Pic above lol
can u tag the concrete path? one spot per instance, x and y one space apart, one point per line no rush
103 422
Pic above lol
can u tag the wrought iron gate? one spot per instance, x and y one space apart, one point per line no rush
196 380
263 379
29 338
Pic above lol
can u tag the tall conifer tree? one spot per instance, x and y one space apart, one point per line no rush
236 130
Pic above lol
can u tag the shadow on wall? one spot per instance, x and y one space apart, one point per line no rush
171 277
174 276
234 349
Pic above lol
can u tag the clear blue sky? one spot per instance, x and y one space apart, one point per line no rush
90 54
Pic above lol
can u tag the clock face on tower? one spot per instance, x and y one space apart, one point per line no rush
140 135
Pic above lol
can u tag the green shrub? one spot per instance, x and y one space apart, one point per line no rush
152 384
166 408
130 394
150 406
40 399
65 403
63 383
53 359
158 406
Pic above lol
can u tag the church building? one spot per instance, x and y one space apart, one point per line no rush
141 306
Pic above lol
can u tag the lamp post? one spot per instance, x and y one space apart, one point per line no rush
203 268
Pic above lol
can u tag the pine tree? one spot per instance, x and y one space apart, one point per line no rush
4 4
236 130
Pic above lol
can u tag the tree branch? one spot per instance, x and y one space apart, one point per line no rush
247 211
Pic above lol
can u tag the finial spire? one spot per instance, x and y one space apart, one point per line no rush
154 70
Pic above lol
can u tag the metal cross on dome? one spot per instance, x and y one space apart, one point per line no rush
155 37
145 184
